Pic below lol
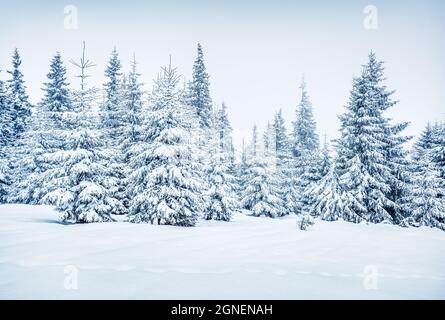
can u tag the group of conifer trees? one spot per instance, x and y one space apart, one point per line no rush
167 156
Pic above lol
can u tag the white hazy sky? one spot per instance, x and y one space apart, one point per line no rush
255 51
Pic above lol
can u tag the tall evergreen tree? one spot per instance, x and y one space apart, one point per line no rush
284 166
395 154
132 109
305 149
164 185
110 110
56 99
6 117
199 93
17 96
281 144
44 137
112 123
6 135
370 154
305 138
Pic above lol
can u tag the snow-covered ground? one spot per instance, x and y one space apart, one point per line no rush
256 258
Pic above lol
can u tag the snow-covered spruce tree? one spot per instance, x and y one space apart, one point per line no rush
111 123
241 169
198 91
221 201
269 139
394 151
72 178
324 198
6 140
260 195
284 165
305 149
426 201
325 163
6 117
165 187
198 98
425 141
221 124
328 200
438 156
367 145
18 97
56 100
110 111
281 143
43 137
27 164
132 107
5 177
305 138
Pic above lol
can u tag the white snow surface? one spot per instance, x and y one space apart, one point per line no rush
247 258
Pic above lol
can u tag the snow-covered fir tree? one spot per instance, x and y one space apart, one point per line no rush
426 201
43 137
5 177
6 117
198 91
110 111
269 139
241 169
221 124
165 187
438 156
221 200
17 96
132 107
325 159
328 200
395 153
77 186
261 194
56 99
281 143
6 139
27 164
305 149
368 145
305 138
284 164
425 141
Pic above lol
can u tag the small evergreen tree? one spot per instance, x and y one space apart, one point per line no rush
221 199
425 201
325 160
260 195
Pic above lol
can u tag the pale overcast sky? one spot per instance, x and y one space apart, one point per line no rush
255 51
